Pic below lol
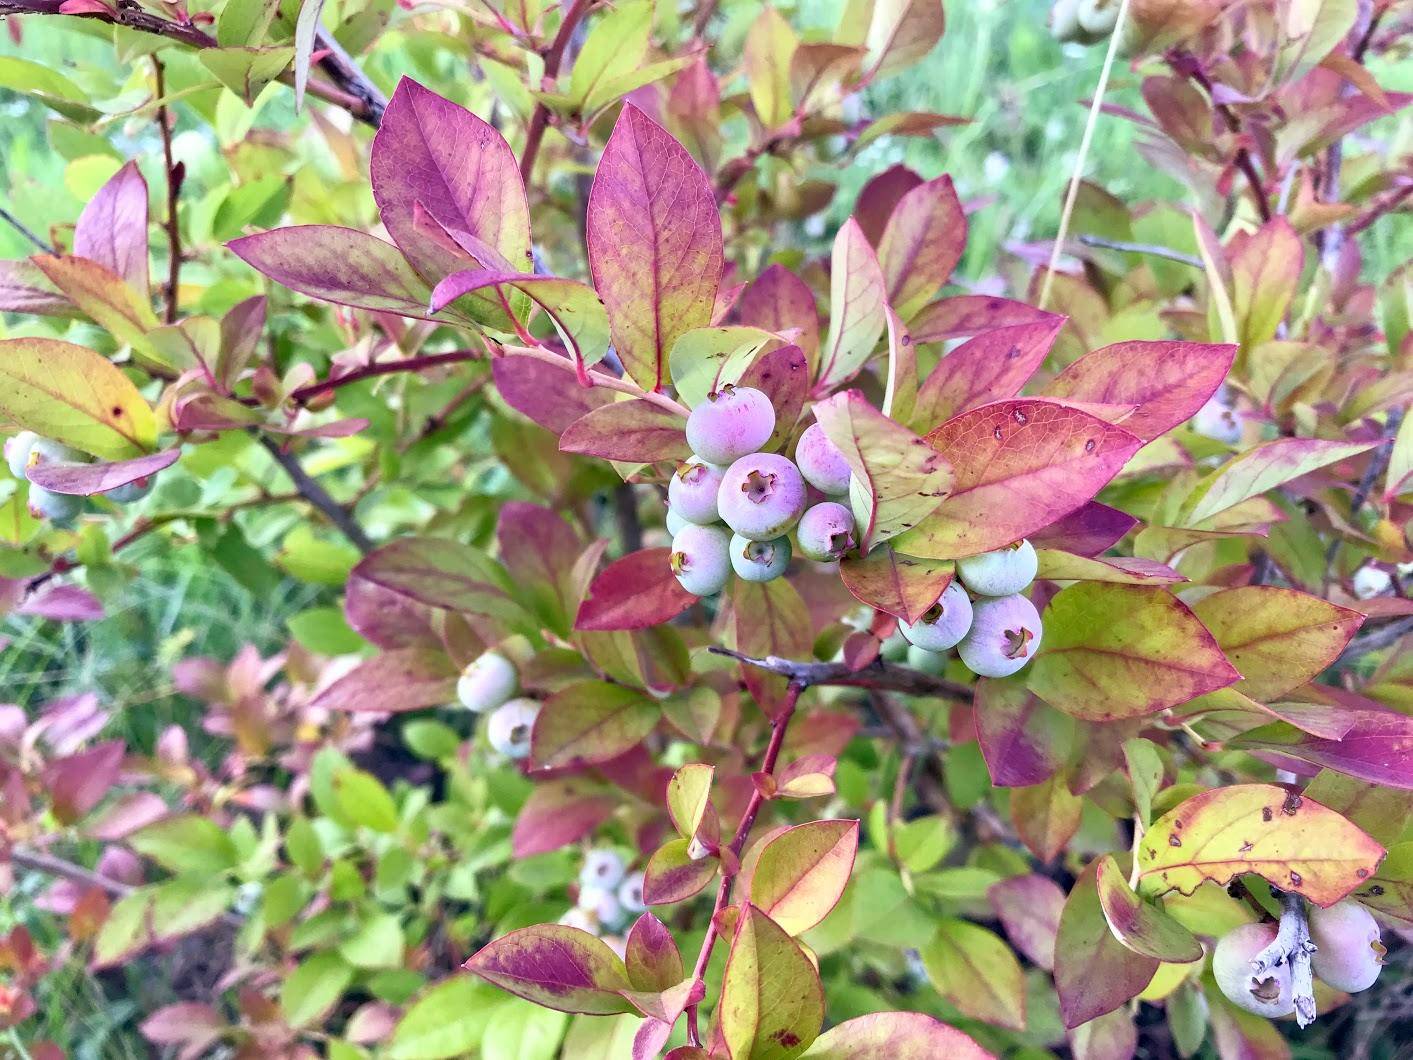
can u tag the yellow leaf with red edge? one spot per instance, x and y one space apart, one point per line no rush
772 1003
1290 841
800 874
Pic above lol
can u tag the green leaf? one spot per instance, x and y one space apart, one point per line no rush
243 23
376 944
71 394
688 796
313 988
447 1021
364 801
800 874
615 46
324 631
246 71
977 972
1145 773
186 844
770 45
592 721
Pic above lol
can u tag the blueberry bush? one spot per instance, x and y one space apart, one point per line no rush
739 635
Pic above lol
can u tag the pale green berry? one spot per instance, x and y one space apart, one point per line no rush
759 561
1269 994
1001 573
699 559
944 624
487 682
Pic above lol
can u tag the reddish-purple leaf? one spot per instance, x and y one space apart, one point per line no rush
769 618
1023 739
430 151
638 431
783 375
673 875
634 592
394 681
1094 972
1018 466
25 289
63 603
77 783
879 198
539 551
1087 531
903 586
126 815
654 240
971 314
575 309
84 480
337 265
112 229
1168 381
993 366
1029 909
896 1036
556 966
653 959
549 394
445 574
779 301
1378 747
1113 1036
922 244
560 812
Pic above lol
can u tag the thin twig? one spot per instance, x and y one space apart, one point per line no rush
20 227
608 382
174 185
728 875
303 395
344 72
1085 140
316 495
1378 466
878 675
1375 640
1142 248
1243 158
554 56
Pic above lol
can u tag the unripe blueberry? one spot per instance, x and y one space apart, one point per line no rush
17 451
1004 636
511 726
945 624
602 868
131 491
762 496
691 492
759 561
826 532
1097 17
630 893
578 918
821 462
1351 955
1064 20
1003 572
929 662
699 559
1268 994
1219 421
601 903
58 508
731 423
487 682
675 522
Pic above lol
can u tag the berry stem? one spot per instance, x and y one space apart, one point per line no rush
608 382
1292 945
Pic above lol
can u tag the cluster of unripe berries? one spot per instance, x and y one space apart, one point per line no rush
608 896
759 497
488 686
1348 956
27 450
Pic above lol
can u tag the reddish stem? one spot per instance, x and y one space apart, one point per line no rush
306 394
174 236
1243 159
738 844
539 118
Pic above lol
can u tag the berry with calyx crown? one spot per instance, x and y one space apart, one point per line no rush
1004 636
826 532
699 559
1001 573
821 462
1269 994
1351 951
945 624
762 496
487 682
759 561
602 868
691 492
511 725
730 423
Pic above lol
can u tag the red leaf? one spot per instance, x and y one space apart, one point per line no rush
63 603
990 367
902 586
84 480
77 783
1168 381
1086 531
1023 739
783 375
549 394
634 592
399 680
1029 909
971 314
1378 746
1094 972
112 229
560 812
555 966
654 239
637 431
779 301
879 198
922 244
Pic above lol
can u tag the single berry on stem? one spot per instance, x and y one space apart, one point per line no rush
487 682
1268 994
1351 951
1001 573
944 624
691 492
1004 636
759 561
699 559
826 532
762 496
510 727
821 462
732 422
